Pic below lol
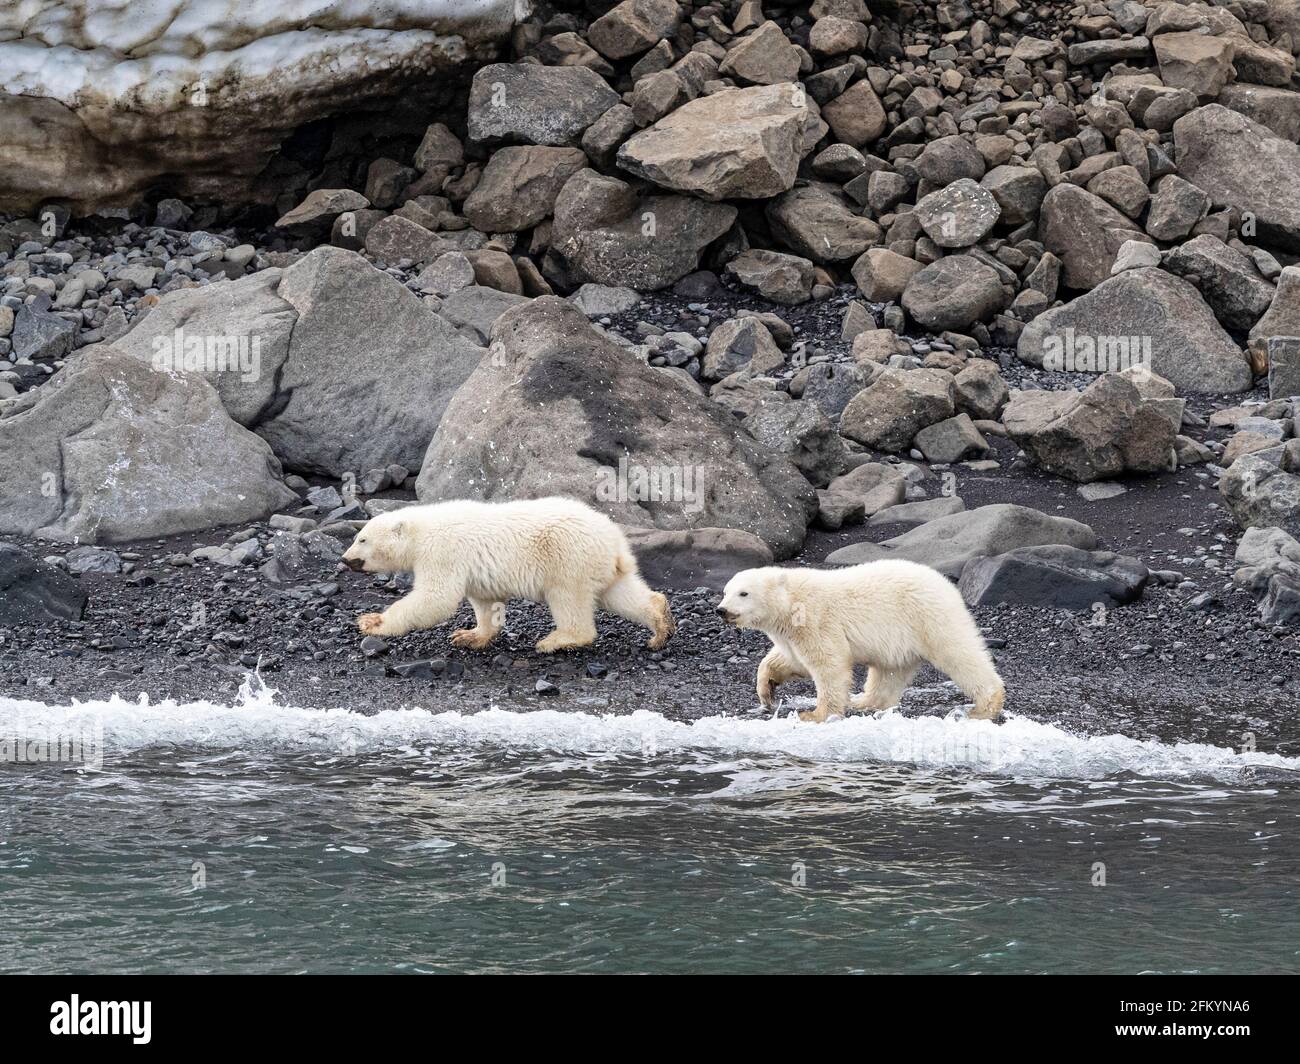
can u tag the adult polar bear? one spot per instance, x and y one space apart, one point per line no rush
891 615
556 551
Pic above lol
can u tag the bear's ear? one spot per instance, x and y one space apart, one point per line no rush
397 527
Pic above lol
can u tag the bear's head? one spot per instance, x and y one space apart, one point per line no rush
755 598
382 546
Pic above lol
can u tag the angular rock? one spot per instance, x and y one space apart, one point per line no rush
948 543
816 221
740 343
1053 575
1101 432
526 103
1283 367
320 207
1260 495
785 279
558 409
980 391
1277 109
632 27
881 274
832 385
951 440
800 431
953 293
1194 61
1143 316
606 235
764 57
1242 164
889 413
519 186
475 309
959 215
1228 280
1085 232
874 485
111 450
755 136
1176 206
353 370
1019 191
39 335
394 239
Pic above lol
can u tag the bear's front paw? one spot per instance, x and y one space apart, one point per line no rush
820 715
470 639
371 623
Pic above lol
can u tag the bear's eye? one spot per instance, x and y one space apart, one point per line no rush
744 594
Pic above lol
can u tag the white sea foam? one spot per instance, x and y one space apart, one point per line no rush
1018 747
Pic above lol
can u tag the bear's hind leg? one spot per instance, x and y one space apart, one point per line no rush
884 687
488 618
574 613
971 669
630 597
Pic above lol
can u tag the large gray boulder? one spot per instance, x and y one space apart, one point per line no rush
235 334
1101 432
817 222
1144 316
755 138
1085 232
1239 163
112 450
1053 575
888 413
953 293
1260 494
352 369
699 557
1229 280
556 408
948 543
603 233
527 103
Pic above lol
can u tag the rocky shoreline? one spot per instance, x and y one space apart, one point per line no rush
1010 292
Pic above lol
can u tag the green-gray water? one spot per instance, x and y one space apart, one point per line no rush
424 842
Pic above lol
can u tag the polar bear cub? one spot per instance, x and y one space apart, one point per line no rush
890 615
556 551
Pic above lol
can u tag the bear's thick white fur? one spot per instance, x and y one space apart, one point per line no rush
556 551
890 615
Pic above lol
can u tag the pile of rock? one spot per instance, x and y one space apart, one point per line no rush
1107 188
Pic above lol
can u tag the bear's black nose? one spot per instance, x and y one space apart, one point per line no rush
355 564
723 612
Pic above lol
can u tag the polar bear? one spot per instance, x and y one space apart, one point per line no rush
891 615
556 551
